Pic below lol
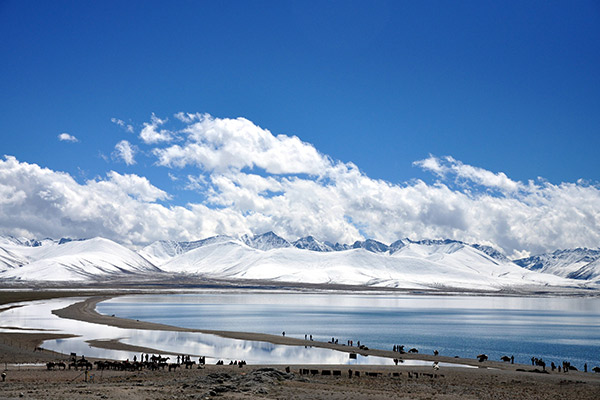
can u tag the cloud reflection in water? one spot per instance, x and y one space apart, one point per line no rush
37 316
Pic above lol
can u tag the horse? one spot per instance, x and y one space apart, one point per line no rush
84 364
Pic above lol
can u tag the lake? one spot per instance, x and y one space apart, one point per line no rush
552 328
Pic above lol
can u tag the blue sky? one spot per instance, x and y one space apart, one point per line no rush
442 93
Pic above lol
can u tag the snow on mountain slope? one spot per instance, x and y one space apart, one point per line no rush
80 261
417 266
162 251
266 241
10 259
565 263
15 252
404 263
589 271
312 244
371 245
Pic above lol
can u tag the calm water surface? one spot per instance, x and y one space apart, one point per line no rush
37 317
554 329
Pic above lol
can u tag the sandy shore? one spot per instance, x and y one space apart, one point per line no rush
492 380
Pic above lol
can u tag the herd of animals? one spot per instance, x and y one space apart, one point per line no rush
156 362
153 362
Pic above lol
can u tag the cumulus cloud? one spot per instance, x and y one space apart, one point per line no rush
249 180
152 134
280 183
220 145
125 151
65 137
124 208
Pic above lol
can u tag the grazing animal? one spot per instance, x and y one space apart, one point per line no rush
505 358
596 370
435 352
413 350
50 365
84 364
482 357
173 366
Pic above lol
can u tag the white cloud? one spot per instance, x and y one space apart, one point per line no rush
450 166
250 180
125 151
151 134
121 207
65 137
122 124
10 195
216 144
188 117
136 186
283 184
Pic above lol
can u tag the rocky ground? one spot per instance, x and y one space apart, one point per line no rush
273 382
27 376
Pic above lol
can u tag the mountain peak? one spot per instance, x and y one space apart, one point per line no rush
310 243
371 245
266 241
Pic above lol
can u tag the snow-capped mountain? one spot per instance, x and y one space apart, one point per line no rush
10 259
405 263
371 245
397 245
80 260
589 271
266 241
163 250
312 244
414 265
575 263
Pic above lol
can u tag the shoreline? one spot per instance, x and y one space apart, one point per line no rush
86 311
489 381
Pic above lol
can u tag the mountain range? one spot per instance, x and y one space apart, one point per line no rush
424 264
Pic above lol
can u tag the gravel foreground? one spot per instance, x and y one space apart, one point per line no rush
27 376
